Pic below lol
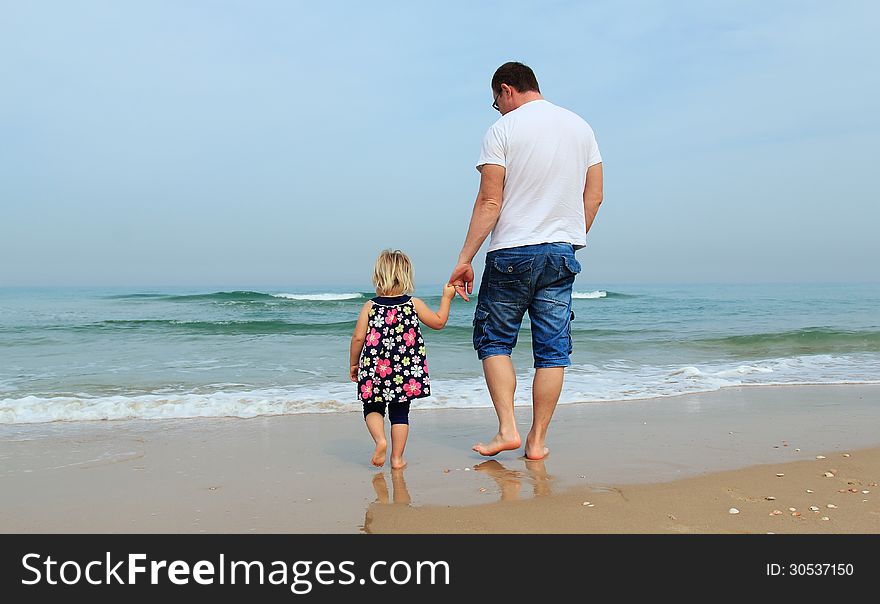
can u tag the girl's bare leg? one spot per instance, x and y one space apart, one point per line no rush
399 433
376 426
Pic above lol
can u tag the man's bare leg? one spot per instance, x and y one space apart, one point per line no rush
546 388
501 380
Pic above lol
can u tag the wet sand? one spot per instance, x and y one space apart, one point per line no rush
794 497
693 457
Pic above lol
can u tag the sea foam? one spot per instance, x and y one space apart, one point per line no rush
318 297
614 380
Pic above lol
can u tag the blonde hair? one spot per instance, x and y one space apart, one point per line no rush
393 272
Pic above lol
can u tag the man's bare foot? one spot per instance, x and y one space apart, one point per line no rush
398 463
497 445
379 454
535 452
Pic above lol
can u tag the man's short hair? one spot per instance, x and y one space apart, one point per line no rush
517 75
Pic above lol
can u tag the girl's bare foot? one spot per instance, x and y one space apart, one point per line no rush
379 454
397 463
498 444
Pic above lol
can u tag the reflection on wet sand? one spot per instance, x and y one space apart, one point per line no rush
399 492
510 481
537 469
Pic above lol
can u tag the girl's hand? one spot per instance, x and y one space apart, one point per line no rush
448 291
462 278
353 373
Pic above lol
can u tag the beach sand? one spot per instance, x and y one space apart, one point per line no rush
675 464
792 497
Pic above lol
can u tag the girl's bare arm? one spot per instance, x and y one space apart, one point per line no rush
357 340
435 320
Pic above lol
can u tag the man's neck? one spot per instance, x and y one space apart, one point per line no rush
528 97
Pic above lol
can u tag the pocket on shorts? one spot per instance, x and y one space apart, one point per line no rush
571 265
510 279
512 266
481 316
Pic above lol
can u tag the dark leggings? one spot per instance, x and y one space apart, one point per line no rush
398 413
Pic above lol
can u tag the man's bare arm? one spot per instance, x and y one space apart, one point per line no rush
487 208
592 193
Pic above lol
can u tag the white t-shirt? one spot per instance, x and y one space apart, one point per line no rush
545 151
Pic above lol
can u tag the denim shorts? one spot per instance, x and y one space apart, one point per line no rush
534 278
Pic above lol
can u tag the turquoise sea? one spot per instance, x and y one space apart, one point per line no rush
117 353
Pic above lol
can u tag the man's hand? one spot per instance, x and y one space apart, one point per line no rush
462 280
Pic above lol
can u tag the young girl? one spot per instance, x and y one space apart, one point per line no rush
387 357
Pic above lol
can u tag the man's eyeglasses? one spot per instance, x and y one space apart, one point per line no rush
495 102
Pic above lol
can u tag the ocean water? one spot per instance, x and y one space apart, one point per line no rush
69 354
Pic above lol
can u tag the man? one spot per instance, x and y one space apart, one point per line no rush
540 190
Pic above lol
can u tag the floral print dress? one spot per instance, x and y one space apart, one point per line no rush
393 367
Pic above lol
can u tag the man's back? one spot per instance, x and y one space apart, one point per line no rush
546 151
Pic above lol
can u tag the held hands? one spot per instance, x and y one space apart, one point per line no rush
448 291
462 279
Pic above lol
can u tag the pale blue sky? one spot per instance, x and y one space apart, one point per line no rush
245 143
